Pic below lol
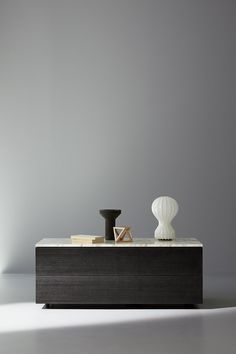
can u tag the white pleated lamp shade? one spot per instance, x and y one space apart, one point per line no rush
164 209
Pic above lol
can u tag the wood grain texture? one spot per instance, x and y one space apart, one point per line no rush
132 275
119 261
119 289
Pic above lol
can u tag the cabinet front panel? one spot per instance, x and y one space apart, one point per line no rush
118 261
119 290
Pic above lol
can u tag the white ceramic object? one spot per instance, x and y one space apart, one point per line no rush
164 209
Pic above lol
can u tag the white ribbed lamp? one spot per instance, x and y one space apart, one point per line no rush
164 209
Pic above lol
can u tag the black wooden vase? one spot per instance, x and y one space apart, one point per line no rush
110 216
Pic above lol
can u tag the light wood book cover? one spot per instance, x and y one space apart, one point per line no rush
87 239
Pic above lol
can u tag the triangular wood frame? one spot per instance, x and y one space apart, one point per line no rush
121 233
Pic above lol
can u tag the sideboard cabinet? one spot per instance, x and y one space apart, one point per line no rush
142 272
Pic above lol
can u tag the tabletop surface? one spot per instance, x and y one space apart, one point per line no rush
137 242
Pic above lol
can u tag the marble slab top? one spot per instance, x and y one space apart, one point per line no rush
137 242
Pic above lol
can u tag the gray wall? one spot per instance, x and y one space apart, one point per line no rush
109 104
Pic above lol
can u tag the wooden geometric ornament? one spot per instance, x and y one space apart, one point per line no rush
122 234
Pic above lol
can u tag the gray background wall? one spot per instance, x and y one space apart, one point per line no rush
109 104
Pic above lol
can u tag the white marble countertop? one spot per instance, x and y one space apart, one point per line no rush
137 242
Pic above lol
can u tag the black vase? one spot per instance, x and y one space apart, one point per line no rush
110 216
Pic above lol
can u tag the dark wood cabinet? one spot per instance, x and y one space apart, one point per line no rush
145 272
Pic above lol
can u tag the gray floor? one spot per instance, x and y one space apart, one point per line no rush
26 328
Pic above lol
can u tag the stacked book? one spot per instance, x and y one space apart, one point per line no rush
88 239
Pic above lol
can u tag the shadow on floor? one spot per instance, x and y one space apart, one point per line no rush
139 337
218 302
202 334
116 307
